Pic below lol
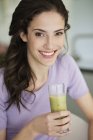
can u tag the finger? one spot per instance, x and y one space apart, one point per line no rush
62 121
61 114
63 128
62 133
59 133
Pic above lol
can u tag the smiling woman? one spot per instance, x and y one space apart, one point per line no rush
44 39
35 59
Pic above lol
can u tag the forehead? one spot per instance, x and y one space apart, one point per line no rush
48 21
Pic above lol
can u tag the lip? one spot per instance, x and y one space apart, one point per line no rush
47 54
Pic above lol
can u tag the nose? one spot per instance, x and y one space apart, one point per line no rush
49 43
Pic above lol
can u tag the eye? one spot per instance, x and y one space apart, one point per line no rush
39 34
59 33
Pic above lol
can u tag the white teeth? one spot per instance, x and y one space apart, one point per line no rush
47 53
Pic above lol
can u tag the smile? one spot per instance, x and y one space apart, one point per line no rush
47 53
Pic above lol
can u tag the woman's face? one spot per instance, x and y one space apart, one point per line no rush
45 38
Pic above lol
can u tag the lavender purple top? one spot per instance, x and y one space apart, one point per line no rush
64 71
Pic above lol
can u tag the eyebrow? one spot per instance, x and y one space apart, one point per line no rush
41 30
59 30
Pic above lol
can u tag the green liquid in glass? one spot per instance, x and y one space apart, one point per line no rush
58 103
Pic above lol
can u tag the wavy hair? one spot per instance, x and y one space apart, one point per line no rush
17 72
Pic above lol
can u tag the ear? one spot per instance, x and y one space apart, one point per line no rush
23 36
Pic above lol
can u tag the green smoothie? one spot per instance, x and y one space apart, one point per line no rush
58 103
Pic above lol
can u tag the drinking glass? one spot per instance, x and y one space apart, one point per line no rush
57 95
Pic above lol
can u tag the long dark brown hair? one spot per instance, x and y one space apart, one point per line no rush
17 72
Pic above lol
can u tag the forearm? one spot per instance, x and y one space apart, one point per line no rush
25 134
90 130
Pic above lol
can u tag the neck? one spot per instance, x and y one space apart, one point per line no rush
40 72
40 76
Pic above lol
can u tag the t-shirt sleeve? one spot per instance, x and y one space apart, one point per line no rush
3 116
77 84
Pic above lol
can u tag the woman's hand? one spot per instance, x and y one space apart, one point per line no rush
52 124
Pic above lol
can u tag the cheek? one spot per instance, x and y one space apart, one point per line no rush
60 43
36 41
31 43
60 40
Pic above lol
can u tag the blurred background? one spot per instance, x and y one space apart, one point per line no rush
80 37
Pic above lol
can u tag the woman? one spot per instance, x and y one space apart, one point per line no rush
35 59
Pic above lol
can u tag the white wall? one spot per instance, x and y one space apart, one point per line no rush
80 36
82 27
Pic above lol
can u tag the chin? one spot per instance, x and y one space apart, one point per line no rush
49 63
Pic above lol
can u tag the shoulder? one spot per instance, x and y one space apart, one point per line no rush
67 64
67 61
